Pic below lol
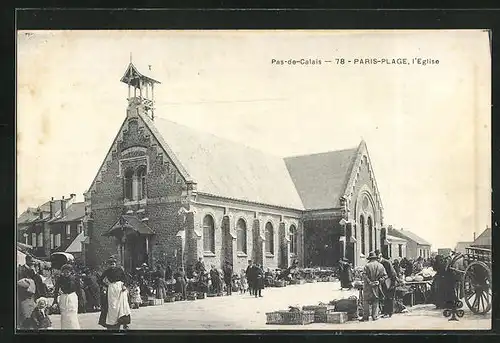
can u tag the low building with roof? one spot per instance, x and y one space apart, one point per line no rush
461 247
483 240
396 247
168 193
416 246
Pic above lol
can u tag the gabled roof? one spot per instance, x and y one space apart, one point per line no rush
224 168
484 239
131 223
32 215
408 235
321 178
75 211
132 73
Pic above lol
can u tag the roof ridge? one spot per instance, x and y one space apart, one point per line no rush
321 153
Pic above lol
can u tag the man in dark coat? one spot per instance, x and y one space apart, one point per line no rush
250 274
228 277
23 271
373 275
258 280
388 286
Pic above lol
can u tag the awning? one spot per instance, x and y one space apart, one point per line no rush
23 247
68 256
128 224
76 245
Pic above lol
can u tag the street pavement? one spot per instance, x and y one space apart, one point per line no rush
244 312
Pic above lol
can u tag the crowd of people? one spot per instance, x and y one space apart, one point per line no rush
382 280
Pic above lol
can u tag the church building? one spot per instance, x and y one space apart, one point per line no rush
168 193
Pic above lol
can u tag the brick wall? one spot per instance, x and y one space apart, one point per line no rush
163 192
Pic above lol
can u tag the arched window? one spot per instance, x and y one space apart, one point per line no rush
269 238
241 236
128 184
363 245
293 239
370 234
208 234
141 182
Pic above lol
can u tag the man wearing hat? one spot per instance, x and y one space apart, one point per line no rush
388 286
373 276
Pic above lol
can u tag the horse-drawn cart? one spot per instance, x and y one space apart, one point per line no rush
476 287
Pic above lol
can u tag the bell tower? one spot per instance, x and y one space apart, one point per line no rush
140 90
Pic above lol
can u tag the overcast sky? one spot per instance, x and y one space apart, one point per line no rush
427 127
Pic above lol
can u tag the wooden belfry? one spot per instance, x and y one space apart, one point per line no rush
143 87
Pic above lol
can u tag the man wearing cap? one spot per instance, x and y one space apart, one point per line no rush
388 286
373 275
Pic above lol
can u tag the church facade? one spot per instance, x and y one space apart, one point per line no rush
168 193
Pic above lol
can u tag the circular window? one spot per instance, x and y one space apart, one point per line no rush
365 203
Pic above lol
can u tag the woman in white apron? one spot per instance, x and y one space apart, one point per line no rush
115 312
69 286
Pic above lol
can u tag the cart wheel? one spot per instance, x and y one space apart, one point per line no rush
460 304
477 287
460 313
447 313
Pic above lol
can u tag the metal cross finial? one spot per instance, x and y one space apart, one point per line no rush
149 65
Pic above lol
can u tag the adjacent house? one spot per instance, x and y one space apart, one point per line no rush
444 251
461 247
169 193
52 226
416 246
396 247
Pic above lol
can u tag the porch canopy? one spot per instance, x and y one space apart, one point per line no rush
127 224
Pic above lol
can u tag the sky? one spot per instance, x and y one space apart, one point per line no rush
427 128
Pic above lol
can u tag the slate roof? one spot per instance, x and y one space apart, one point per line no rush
484 239
227 169
30 215
75 211
409 236
321 178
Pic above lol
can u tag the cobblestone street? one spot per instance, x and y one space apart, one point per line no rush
243 312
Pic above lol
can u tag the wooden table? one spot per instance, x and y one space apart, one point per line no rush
422 286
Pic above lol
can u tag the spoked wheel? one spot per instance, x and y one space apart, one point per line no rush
477 287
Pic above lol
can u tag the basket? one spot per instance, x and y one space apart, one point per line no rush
178 296
200 295
320 312
290 317
191 296
294 282
170 299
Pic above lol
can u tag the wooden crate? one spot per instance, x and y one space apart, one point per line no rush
336 317
290 317
155 302
320 312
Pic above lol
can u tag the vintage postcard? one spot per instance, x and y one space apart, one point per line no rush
253 180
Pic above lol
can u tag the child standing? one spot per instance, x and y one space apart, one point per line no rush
135 295
39 316
243 282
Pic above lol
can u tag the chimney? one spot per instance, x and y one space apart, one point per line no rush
51 207
474 236
63 206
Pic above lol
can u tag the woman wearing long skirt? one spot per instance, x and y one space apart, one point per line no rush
115 309
69 287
